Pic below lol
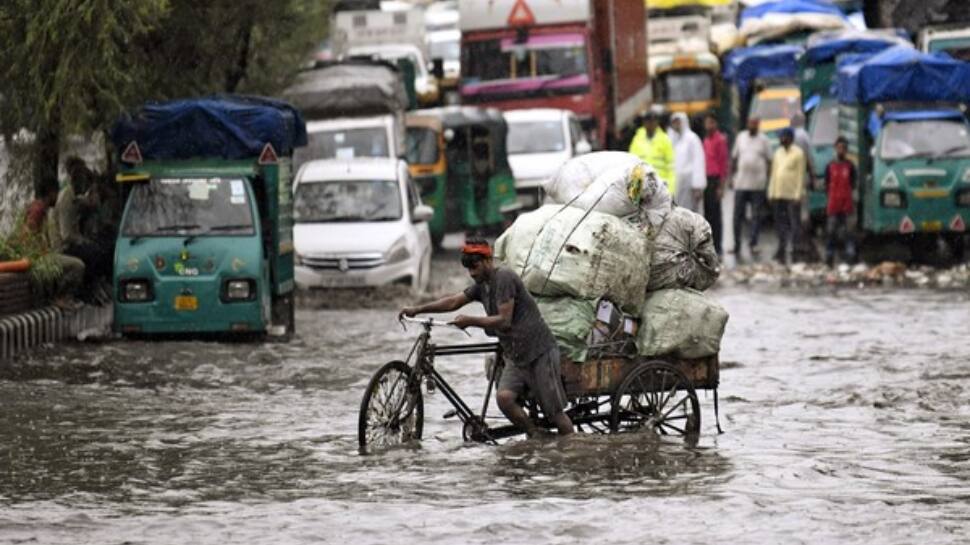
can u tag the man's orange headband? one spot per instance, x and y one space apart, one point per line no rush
477 249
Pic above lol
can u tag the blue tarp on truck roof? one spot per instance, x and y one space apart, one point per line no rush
904 74
824 47
743 66
224 126
790 6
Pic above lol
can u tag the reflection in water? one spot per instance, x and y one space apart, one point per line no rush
846 420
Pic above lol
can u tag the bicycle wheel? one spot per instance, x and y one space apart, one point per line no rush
392 410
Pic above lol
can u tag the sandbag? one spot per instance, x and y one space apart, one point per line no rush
571 321
587 255
513 246
683 253
682 323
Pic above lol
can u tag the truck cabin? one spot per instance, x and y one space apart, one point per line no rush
923 134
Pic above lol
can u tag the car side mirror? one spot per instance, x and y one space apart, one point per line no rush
583 147
422 213
438 68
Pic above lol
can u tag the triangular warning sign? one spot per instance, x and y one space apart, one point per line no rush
268 156
958 224
521 15
906 226
131 155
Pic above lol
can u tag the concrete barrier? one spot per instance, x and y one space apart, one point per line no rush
21 332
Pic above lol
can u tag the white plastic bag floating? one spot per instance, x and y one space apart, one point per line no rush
681 323
683 253
587 254
611 182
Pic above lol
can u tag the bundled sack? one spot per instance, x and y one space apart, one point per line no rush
682 323
587 255
683 253
514 245
571 320
612 182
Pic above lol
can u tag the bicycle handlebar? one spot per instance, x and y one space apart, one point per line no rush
429 323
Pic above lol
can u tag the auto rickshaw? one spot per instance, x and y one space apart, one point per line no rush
457 157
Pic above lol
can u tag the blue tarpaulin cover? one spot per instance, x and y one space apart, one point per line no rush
743 66
790 6
904 74
225 126
824 47
875 123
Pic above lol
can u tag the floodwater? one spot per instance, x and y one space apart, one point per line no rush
846 418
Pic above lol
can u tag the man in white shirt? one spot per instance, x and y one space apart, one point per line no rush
689 166
751 159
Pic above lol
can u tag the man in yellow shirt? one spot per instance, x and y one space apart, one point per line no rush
652 145
785 191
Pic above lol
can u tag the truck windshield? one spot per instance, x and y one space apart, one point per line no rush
825 126
422 146
686 87
925 138
493 60
783 107
189 206
536 137
343 144
347 201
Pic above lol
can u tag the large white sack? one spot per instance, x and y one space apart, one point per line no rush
513 246
682 323
611 182
683 253
588 255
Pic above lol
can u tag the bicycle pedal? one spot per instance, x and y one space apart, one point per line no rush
450 414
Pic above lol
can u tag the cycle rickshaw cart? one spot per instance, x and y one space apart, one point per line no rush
612 392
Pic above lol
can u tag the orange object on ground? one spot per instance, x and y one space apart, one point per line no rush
20 265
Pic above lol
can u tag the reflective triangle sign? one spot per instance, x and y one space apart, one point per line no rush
268 156
906 226
958 224
131 155
521 15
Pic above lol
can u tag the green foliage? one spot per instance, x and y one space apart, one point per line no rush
45 271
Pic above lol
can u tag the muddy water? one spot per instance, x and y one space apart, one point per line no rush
847 420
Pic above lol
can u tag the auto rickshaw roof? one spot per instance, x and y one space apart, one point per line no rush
453 117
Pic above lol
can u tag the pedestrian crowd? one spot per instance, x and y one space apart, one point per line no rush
765 182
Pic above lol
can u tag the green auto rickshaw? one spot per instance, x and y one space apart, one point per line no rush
457 157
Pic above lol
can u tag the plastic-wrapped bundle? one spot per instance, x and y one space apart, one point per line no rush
514 245
683 253
586 254
611 182
682 323
571 321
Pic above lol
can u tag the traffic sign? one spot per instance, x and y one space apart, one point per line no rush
521 15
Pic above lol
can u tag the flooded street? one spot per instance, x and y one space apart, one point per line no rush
846 417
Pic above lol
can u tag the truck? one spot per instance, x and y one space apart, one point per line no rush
902 112
389 35
206 237
353 108
954 39
816 79
582 55
682 67
788 21
760 81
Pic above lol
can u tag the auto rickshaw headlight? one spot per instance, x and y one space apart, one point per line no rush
136 290
240 290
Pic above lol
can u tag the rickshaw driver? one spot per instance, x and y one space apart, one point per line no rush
530 350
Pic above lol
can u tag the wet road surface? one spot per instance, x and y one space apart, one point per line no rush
847 420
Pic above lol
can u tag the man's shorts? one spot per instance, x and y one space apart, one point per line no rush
542 377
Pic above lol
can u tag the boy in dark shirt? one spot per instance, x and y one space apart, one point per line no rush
840 180
531 354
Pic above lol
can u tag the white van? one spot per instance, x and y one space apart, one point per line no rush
540 140
351 138
360 223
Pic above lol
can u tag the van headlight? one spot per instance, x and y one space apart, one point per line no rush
893 199
136 290
240 289
399 252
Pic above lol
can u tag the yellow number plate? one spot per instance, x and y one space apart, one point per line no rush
932 226
186 302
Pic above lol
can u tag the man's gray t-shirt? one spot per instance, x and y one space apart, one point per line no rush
529 337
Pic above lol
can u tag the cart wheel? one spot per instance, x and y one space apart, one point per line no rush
392 411
656 395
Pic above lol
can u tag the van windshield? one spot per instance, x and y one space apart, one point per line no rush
925 138
343 144
422 146
536 137
347 201
189 206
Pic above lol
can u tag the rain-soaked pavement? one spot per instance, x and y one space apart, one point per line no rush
846 415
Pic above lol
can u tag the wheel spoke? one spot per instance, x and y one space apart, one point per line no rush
671 426
679 403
